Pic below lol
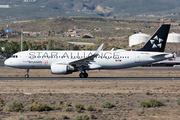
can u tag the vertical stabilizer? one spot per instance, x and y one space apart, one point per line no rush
157 42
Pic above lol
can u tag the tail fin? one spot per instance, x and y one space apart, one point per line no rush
157 42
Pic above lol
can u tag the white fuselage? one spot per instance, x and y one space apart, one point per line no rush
105 60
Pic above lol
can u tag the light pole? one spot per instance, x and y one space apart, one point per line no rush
21 26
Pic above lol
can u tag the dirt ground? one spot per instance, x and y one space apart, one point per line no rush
128 94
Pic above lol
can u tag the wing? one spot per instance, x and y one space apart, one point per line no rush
86 60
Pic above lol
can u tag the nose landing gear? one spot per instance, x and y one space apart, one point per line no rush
27 75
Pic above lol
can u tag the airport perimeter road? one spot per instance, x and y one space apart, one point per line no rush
90 78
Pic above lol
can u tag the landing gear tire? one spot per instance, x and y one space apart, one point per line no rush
26 76
85 75
81 75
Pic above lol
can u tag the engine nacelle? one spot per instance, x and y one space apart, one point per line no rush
61 69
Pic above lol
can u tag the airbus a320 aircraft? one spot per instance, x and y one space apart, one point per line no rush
67 62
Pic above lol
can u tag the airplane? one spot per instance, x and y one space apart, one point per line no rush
67 62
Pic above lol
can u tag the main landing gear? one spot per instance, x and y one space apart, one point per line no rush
83 75
27 75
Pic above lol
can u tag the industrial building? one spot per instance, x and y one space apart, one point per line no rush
141 37
4 6
138 38
173 38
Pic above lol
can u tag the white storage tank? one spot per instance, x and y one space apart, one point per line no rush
138 38
173 38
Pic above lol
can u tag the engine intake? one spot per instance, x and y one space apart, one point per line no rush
61 69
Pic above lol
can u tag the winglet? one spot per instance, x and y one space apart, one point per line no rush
99 49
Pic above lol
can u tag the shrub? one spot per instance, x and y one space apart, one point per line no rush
49 118
155 103
106 104
116 102
89 108
63 117
32 100
1 101
50 94
39 117
81 117
151 103
92 116
61 102
167 100
13 106
148 93
78 110
178 102
78 105
68 109
21 118
38 106
144 104
55 107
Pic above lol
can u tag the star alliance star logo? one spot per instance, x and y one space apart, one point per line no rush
156 42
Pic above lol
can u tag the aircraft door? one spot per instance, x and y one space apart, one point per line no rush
25 57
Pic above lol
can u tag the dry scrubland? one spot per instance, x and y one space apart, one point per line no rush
102 100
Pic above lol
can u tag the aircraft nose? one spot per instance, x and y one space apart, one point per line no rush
7 62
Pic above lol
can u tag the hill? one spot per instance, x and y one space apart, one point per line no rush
99 27
36 9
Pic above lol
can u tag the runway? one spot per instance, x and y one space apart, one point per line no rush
102 78
91 78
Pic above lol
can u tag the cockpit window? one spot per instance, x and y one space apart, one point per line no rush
14 56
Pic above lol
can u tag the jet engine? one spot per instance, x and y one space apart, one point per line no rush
61 69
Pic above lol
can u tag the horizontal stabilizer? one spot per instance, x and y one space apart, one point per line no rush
159 55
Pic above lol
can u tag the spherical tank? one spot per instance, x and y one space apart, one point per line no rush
173 38
138 39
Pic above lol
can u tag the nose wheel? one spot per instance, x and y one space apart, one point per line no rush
27 75
83 75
